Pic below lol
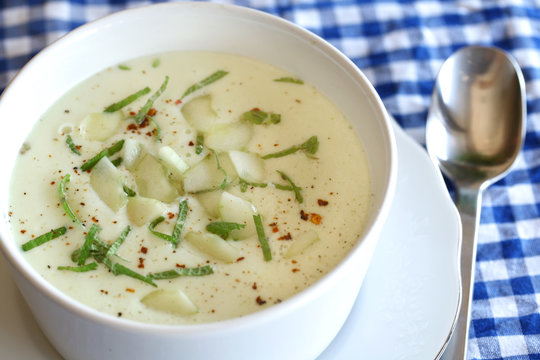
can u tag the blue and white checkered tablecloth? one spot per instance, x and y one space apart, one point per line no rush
400 46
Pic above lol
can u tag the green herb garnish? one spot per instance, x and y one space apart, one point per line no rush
128 100
83 268
174 238
206 81
259 117
156 63
119 269
129 192
290 80
88 240
124 67
74 149
63 200
116 162
199 144
296 189
156 126
223 228
309 147
220 168
262 238
177 272
42 239
139 118
106 152
115 245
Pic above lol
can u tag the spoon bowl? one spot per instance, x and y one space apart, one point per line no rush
474 132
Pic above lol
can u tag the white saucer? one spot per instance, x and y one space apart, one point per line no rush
407 304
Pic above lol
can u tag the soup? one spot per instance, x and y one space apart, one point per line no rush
189 187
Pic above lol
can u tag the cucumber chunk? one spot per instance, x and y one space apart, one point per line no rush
152 181
131 153
141 210
235 209
198 113
206 175
213 245
172 161
249 166
107 182
170 300
100 126
209 200
301 243
230 136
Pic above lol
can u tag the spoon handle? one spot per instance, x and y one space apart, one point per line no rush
468 203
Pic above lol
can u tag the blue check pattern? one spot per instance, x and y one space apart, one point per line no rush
399 45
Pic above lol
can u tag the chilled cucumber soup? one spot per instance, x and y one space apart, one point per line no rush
237 186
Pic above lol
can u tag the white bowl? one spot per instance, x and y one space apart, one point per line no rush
298 328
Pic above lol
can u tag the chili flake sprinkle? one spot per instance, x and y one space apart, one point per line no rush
322 202
260 301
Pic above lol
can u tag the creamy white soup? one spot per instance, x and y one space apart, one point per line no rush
189 187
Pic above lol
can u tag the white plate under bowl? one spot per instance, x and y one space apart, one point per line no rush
406 307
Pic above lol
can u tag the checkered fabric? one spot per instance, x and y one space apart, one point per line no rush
399 45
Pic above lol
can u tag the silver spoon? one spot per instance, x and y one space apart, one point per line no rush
474 132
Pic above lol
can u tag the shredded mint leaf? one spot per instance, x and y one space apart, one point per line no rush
290 80
63 200
139 118
204 82
124 67
106 152
129 192
296 189
88 240
199 144
42 239
309 147
174 239
177 272
156 63
114 247
262 237
220 168
83 268
128 100
119 269
223 228
259 117
74 149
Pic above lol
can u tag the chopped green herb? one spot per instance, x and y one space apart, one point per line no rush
116 162
74 149
262 237
309 147
259 117
220 168
199 144
128 100
124 67
296 189
290 80
206 81
119 269
106 152
157 128
83 268
114 247
156 63
174 239
223 228
63 200
129 192
139 118
42 239
88 240
177 272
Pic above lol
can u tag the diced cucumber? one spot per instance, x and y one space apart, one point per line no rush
172 161
249 166
107 182
198 113
213 245
209 200
206 175
230 136
235 209
152 181
131 153
301 243
170 300
141 210
100 126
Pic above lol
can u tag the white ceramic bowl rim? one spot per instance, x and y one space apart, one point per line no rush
16 260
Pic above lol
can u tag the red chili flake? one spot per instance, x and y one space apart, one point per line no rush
322 202
130 290
240 259
178 102
256 109
191 143
303 215
132 113
144 249
144 123
170 215
260 301
78 147
23 231
295 270
82 204
298 101
94 219
141 263
180 266
275 229
152 112
104 292
254 286
53 182
149 133
315 218
285 237
132 127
